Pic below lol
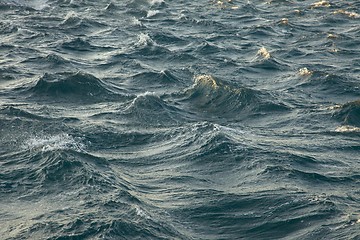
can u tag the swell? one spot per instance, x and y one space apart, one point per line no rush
60 168
256 215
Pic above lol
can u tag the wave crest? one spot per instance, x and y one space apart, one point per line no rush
210 95
349 113
73 87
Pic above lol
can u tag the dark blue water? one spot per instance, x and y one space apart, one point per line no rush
163 119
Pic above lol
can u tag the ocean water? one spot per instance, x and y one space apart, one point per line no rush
164 119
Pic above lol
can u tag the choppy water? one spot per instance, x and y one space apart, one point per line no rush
162 119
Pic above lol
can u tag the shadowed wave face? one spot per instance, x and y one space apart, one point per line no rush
160 119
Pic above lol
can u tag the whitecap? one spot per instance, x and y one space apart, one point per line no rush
153 2
305 72
321 3
144 39
141 95
347 13
47 143
38 4
206 80
141 213
70 16
347 128
152 13
136 21
263 52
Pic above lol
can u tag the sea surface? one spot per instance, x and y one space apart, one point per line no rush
164 119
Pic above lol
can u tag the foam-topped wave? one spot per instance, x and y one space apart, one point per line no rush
149 108
146 46
61 141
264 60
78 86
221 99
163 77
73 21
159 81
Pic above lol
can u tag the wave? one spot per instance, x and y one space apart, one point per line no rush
78 45
221 99
149 108
331 83
74 22
17 112
8 28
349 114
255 215
310 177
160 81
146 46
168 39
51 60
144 8
51 143
60 168
9 73
78 87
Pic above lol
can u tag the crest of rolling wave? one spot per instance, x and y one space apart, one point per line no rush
72 87
220 99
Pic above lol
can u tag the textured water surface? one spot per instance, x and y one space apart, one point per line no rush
162 119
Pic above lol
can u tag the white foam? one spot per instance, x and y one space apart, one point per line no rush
152 13
263 52
321 3
144 39
141 95
153 2
347 128
347 13
38 4
136 21
206 80
69 15
47 143
141 213
305 72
